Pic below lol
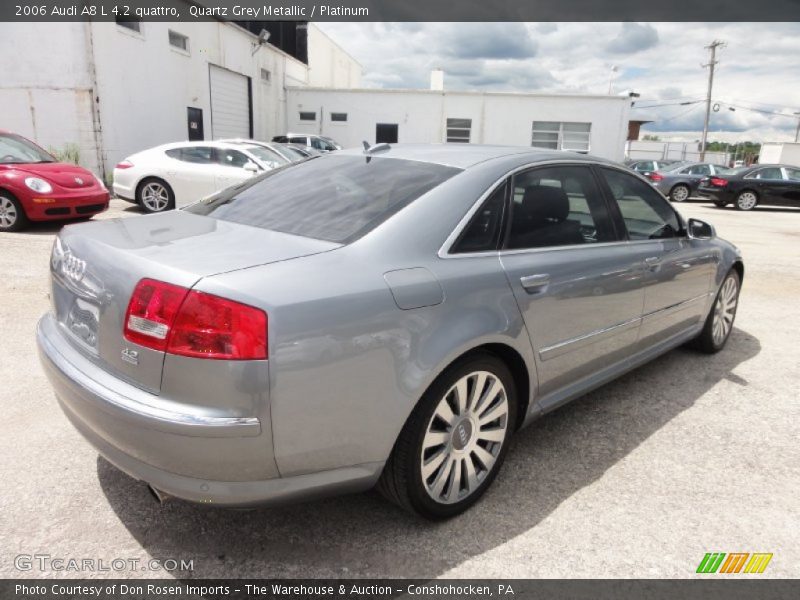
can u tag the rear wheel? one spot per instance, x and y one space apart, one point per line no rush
12 217
154 195
719 322
679 193
746 200
454 442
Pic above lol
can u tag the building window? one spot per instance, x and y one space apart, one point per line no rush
561 136
308 116
458 130
266 76
128 24
178 40
340 117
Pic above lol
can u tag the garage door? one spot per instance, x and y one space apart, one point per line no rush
230 104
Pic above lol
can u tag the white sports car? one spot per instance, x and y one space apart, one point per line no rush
173 175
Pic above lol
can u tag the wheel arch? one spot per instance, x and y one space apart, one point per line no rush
146 178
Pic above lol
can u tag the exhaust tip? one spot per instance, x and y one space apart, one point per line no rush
161 497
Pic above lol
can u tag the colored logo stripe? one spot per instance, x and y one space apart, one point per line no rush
735 561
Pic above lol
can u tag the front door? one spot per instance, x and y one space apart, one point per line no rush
576 283
194 118
678 271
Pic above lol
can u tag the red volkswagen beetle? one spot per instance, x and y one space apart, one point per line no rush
34 186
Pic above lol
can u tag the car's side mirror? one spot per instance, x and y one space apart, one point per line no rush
700 230
251 167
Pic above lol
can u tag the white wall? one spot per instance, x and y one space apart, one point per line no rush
329 65
787 153
497 118
46 86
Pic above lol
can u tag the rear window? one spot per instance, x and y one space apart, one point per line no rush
334 198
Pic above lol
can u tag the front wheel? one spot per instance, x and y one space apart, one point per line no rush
746 200
719 323
12 216
680 193
454 442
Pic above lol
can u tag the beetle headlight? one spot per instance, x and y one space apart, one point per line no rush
38 185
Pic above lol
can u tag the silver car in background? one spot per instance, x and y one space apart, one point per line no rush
387 317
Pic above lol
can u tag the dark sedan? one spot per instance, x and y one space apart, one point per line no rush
776 185
648 167
680 181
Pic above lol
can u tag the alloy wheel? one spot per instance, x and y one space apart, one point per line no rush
155 197
746 201
464 437
8 213
680 193
725 310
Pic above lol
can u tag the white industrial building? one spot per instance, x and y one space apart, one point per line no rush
111 89
583 123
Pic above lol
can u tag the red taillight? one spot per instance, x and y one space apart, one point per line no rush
719 182
125 164
173 319
656 176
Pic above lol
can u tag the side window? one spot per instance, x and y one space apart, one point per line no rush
793 174
232 158
557 206
699 170
298 140
484 230
197 154
318 144
644 166
768 173
646 213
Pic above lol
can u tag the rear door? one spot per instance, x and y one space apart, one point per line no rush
677 271
792 195
769 183
578 286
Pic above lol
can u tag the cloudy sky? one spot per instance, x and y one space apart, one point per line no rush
759 68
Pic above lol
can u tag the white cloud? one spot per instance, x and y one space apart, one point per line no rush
660 61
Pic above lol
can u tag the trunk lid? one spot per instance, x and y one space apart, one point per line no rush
96 266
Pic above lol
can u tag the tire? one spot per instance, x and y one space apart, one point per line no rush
719 323
746 200
154 195
438 437
12 215
679 193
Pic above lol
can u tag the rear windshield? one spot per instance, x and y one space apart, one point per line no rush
335 198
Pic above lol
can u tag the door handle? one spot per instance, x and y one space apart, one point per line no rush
652 261
535 283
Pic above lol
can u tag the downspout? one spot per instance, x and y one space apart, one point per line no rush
97 127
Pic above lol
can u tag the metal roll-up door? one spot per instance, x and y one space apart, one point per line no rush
230 104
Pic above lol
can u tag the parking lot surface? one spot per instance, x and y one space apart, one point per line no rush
686 455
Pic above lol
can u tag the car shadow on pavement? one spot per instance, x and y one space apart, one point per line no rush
364 536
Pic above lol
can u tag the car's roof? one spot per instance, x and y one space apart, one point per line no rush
464 156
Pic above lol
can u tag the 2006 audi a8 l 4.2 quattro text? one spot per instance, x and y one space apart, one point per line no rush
382 317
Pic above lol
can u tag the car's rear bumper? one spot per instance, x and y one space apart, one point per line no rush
72 206
201 458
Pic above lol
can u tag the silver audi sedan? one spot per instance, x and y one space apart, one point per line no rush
381 317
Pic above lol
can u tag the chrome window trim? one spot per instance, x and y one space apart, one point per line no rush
447 246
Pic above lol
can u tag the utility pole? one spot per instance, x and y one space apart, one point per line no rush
713 48
797 131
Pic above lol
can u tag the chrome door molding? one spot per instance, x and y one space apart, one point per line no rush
561 348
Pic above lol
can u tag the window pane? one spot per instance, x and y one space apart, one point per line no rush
578 127
459 123
558 206
178 40
794 174
232 158
198 154
646 213
339 117
133 25
546 126
308 116
335 198
266 155
483 231
771 173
